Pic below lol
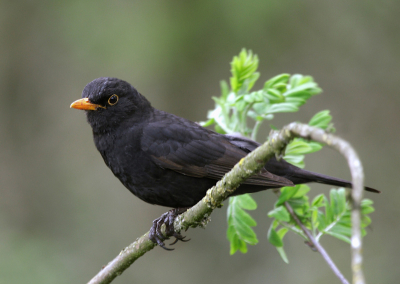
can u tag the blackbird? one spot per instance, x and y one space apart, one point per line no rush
170 161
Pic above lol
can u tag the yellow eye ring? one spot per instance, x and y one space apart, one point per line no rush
113 100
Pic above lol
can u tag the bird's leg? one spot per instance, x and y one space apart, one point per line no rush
167 218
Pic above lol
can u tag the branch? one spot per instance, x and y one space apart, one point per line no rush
247 167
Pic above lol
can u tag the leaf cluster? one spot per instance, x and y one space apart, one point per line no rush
322 216
240 222
239 104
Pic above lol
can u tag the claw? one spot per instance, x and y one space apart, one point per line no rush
179 237
168 249
168 218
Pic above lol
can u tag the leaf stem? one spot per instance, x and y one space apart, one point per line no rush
294 230
255 130
317 245
330 226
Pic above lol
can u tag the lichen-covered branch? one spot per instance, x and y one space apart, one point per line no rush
125 258
247 167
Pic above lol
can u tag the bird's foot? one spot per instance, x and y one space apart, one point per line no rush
157 237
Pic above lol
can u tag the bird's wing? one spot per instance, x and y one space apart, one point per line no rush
189 149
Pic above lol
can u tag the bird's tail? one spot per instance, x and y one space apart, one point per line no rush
305 176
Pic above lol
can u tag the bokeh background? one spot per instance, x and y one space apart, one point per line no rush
63 215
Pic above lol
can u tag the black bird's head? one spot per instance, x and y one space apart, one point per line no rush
108 102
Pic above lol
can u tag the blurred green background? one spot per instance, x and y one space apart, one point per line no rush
63 215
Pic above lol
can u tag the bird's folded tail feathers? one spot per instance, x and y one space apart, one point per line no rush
303 176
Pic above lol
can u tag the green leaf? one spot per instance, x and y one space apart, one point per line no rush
208 122
318 201
296 160
240 104
246 202
282 78
333 202
328 211
315 146
298 147
366 202
221 125
304 90
314 218
282 254
275 224
219 129
365 221
302 190
295 79
322 220
258 117
239 231
298 98
321 120
243 69
300 206
342 230
280 213
242 246
282 232
237 244
367 210
244 232
299 202
274 238
341 202
244 217
234 241
307 82
281 107
224 89
339 236
260 108
338 201
274 96
286 193
366 206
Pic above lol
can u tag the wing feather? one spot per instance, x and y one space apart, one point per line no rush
189 149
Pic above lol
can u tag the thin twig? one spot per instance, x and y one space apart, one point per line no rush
317 245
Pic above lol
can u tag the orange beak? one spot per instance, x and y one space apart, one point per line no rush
85 105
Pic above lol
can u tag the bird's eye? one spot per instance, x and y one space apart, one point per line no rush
113 100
